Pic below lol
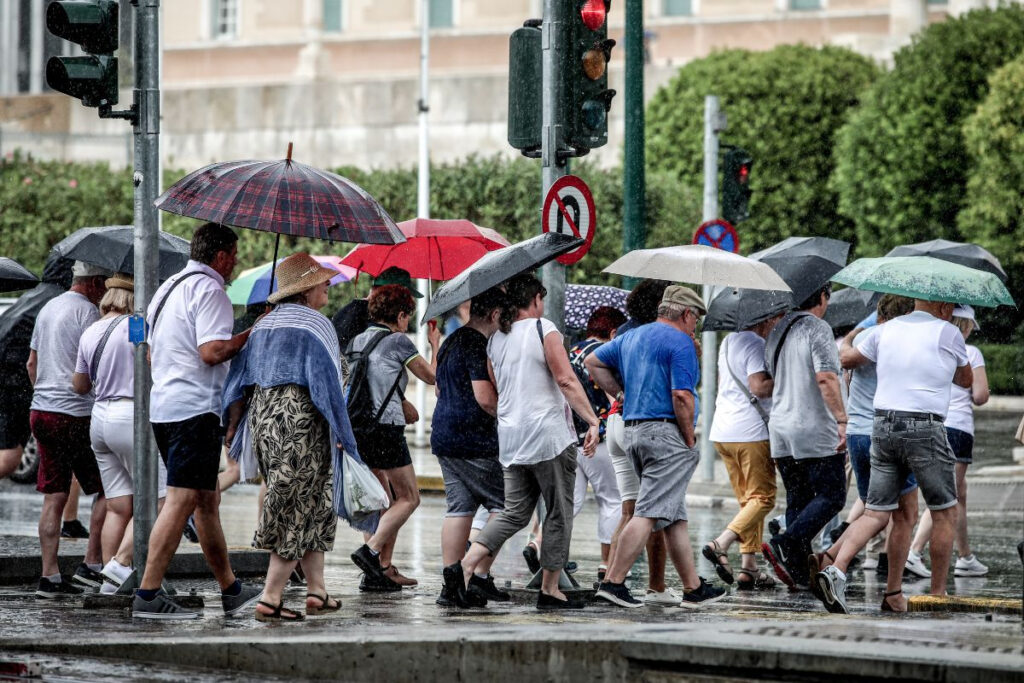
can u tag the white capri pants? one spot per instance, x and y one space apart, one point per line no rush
600 472
112 434
625 473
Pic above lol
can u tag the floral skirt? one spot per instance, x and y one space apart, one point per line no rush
291 440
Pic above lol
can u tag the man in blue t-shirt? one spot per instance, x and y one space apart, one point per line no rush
659 368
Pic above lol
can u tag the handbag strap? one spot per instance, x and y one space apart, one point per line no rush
774 369
98 353
742 385
370 346
174 285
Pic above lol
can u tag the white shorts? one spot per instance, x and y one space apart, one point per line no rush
625 473
112 434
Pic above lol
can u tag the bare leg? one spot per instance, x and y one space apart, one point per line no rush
943 531
126 551
211 538
166 534
856 510
277 577
119 515
924 533
726 539
857 536
657 555
454 534
963 546
10 458
230 476
49 531
402 482
93 549
71 506
903 521
631 542
677 541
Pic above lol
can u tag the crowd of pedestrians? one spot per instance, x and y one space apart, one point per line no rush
525 423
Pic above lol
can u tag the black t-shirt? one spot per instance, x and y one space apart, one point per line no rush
351 321
460 427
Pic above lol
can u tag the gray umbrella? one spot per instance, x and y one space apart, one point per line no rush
497 266
14 276
970 255
739 309
113 247
805 263
849 306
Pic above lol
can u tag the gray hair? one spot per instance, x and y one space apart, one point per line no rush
672 311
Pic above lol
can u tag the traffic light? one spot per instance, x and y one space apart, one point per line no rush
736 185
525 116
92 24
585 76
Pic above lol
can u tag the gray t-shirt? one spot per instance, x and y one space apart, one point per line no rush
860 407
801 425
386 362
55 338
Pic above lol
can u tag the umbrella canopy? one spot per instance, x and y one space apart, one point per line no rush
283 197
252 286
582 300
805 263
698 264
496 267
924 277
113 247
433 250
970 255
849 306
14 276
733 309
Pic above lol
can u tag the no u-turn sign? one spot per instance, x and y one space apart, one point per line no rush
569 209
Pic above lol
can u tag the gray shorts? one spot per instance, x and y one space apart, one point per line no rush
470 483
665 465
901 445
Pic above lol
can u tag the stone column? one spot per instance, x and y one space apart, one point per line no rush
907 17
313 59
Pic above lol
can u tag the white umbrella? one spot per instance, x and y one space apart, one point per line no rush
700 265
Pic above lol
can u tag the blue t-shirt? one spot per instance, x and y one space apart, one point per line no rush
654 360
460 427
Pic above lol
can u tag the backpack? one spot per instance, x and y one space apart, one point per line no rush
598 399
360 399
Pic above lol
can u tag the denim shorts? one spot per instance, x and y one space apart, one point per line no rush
901 445
470 483
860 460
962 444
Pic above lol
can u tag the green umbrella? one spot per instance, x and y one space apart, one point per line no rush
924 277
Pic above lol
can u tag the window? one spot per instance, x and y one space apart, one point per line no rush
805 4
332 16
224 22
677 8
442 13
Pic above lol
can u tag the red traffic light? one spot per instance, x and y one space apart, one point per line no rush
744 174
593 13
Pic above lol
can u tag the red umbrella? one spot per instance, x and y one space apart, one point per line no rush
433 250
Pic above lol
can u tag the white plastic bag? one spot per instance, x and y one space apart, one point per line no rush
363 493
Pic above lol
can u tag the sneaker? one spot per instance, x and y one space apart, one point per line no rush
246 598
108 588
84 576
487 588
969 566
62 589
667 597
372 584
617 594
775 555
454 592
832 590
73 529
704 594
115 573
915 565
160 607
368 562
602 571
547 602
190 532
571 567
869 563
532 558
882 570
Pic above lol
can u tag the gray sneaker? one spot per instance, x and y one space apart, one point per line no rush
160 607
248 597
832 590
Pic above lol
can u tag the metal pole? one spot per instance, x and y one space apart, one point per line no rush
146 180
634 182
713 123
423 206
553 51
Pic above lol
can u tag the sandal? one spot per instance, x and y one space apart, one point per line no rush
532 557
718 557
886 607
325 604
279 613
758 580
815 562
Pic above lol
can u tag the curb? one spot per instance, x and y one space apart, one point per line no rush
952 603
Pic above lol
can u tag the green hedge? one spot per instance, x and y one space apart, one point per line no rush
1004 367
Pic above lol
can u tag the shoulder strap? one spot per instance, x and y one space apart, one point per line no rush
743 385
774 370
365 358
98 353
540 332
156 313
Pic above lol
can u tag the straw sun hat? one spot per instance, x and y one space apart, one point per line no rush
298 273
120 281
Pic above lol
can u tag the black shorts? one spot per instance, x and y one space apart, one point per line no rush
14 417
191 451
383 447
962 444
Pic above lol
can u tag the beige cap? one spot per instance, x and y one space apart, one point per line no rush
683 296
297 273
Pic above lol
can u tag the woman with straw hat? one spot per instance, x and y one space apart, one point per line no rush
288 377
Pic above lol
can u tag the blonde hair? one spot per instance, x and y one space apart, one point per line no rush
965 325
117 300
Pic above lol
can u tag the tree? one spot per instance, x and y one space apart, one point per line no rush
901 161
784 106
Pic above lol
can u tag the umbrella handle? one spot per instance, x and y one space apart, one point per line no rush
273 264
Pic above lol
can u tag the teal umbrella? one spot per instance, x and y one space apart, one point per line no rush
924 277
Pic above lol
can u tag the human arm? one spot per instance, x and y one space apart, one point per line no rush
602 375
569 385
220 350
31 365
682 406
235 412
761 385
486 397
964 376
828 385
979 387
849 355
80 383
424 371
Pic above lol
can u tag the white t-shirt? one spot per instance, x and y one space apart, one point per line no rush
534 419
198 311
115 373
736 420
961 406
916 356
59 326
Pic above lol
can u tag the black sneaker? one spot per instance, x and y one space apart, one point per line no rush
704 594
882 570
617 594
547 602
87 577
372 584
774 554
487 588
73 529
64 589
601 573
455 593
369 563
532 558
190 532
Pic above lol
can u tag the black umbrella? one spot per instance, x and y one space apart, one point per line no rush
734 309
113 247
970 255
497 266
805 263
849 306
14 276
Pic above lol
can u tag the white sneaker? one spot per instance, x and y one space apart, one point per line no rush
869 563
115 572
969 566
666 597
915 565
108 588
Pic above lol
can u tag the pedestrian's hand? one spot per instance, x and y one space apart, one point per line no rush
229 435
433 334
591 440
841 448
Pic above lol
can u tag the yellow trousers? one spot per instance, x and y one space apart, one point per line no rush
752 474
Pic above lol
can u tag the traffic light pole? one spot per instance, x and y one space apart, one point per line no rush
556 13
714 122
146 180
634 182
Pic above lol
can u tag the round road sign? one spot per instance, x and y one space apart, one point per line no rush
569 209
718 234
